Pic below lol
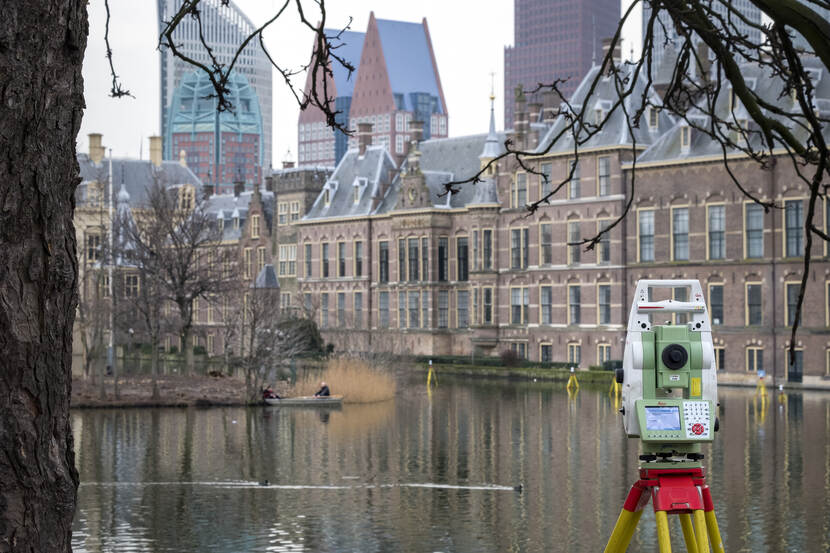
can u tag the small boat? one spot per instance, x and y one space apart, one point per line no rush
307 401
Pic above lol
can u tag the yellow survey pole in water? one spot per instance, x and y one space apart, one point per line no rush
430 377
572 381
760 388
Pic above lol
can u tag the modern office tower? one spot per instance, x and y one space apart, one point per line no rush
221 147
225 27
661 45
554 40
396 82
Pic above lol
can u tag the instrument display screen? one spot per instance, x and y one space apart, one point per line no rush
662 418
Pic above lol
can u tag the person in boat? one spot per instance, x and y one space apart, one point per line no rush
323 391
269 393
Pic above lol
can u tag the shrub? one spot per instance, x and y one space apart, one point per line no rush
509 358
199 350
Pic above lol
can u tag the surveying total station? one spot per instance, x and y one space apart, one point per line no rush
669 402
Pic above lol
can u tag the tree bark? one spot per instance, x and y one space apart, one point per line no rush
42 45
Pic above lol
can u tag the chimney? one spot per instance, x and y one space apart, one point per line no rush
364 137
182 158
155 150
269 183
238 187
287 164
96 151
549 106
207 190
606 45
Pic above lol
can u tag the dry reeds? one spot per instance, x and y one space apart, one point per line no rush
355 379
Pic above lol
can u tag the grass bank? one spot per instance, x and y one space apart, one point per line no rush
521 373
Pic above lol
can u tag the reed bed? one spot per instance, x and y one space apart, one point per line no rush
357 380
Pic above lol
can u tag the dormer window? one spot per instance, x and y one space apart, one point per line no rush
653 116
326 197
356 193
685 137
236 222
221 222
598 114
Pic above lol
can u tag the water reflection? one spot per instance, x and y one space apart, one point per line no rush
434 473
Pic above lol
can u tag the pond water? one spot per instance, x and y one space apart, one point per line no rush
434 473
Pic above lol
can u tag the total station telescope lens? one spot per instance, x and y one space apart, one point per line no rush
674 356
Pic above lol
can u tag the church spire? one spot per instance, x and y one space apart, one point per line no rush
492 147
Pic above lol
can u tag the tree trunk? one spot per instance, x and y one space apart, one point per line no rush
154 367
188 351
42 45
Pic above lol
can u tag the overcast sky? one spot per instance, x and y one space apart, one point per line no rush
468 37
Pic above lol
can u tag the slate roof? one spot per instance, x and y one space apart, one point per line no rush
408 61
136 175
668 146
228 207
267 278
615 130
347 45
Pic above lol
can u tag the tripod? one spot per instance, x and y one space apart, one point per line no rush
680 491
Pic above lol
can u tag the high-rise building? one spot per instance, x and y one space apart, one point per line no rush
554 40
225 28
396 82
221 147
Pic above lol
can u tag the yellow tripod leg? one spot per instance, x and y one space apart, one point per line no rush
688 532
629 531
663 537
623 530
714 532
700 532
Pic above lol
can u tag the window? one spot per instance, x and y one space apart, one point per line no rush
463 309
720 357
794 231
443 259
326 197
131 287
754 316
324 259
546 243
680 294
518 248
287 259
685 137
653 115
487 306
716 303
476 246
792 289
487 249
283 210
754 230
546 305
462 251
254 226
324 310
295 211
573 184
604 304
574 304
356 192
341 309
520 348
424 259
414 309
401 309
383 262
646 235
795 370
754 359
308 260
475 314
604 176
248 256
358 309
414 273
545 183
93 247
604 246
260 258
519 304
383 310
341 259
443 308
358 258
680 234
716 218
603 353
574 354
574 249
425 309
520 190
401 259
546 353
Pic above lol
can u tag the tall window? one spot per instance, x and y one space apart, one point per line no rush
546 183
680 233
717 236
573 184
754 315
324 310
287 259
546 301
425 310
308 260
383 310
604 175
520 191
324 258
462 251
546 243
794 219
443 259
546 353
131 288
358 309
463 308
487 248
341 309
754 231
254 226
604 247
516 248
720 357
401 309
646 235
603 353
249 264
574 354
358 258
341 259
575 249
519 304
414 273
604 303
487 307
260 257
425 259
476 251
401 260
93 247
414 309
792 289
574 304
754 359
716 303
383 261
443 308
